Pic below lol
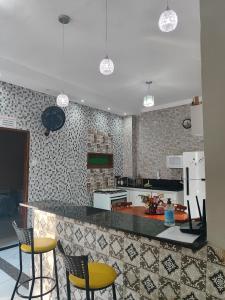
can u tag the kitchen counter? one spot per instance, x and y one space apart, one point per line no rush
113 220
147 267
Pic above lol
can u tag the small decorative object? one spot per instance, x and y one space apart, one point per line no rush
186 123
196 101
168 20
154 205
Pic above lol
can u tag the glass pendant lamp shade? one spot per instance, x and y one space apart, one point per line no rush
106 66
148 101
168 20
62 100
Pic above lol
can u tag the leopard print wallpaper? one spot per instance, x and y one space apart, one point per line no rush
58 163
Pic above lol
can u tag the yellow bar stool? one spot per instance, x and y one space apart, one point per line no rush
34 246
88 276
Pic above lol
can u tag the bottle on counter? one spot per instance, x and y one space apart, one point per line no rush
169 214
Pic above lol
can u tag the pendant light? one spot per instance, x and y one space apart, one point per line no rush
62 99
106 66
148 99
168 20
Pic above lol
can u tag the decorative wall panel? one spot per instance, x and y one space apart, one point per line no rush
58 163
99 142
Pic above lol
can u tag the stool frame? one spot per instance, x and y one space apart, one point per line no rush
26 236
78 266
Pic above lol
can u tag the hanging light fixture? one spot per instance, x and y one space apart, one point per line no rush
106 66
62 99
148 99
168 20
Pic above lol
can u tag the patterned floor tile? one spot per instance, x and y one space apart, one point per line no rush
189 293
78 236
102 242
168 289
216 255
102 258
68 231
209 297
90 238
119 292
169 264
131 295
118 265
151 242
116 246
149 284
200 254
193 272
171 247
78 250
132 252
149 258
215 285
132 277
59 229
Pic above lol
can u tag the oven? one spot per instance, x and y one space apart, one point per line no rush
106 199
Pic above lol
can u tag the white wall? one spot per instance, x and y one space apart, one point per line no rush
213 84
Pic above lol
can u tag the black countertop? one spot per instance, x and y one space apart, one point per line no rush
109 219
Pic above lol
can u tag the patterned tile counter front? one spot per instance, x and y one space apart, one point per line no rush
147 269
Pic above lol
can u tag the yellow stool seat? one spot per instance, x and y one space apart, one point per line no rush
41 245
100 276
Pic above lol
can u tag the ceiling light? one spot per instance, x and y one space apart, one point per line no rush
82 100
148 99
109 108
106 66
168 20
125 114
62 99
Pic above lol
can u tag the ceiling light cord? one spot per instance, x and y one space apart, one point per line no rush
106 27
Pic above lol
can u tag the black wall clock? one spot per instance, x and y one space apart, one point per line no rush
186 123
53 119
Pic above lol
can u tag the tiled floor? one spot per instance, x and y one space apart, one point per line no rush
7 282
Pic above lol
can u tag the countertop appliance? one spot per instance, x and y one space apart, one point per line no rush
194 180
105 198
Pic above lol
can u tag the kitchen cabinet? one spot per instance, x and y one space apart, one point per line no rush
177 197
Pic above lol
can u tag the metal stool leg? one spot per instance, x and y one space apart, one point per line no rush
33 276
20 272
92 295
41 275
56 274
114 291
68 286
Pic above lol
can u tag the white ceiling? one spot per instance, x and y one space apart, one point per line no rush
30 50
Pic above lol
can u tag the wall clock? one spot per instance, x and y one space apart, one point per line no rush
186 123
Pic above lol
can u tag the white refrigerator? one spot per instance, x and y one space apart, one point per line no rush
194 180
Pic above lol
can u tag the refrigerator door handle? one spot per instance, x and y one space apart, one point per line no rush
203 179
187 181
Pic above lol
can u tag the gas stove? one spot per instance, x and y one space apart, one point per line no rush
106 198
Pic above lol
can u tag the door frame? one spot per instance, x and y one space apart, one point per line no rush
23 211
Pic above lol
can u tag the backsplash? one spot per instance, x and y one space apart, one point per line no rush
58 163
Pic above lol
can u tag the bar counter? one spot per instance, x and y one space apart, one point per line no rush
148 267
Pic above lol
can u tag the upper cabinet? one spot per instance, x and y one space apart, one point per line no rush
197 119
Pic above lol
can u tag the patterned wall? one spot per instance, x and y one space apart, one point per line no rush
58 163
160 133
